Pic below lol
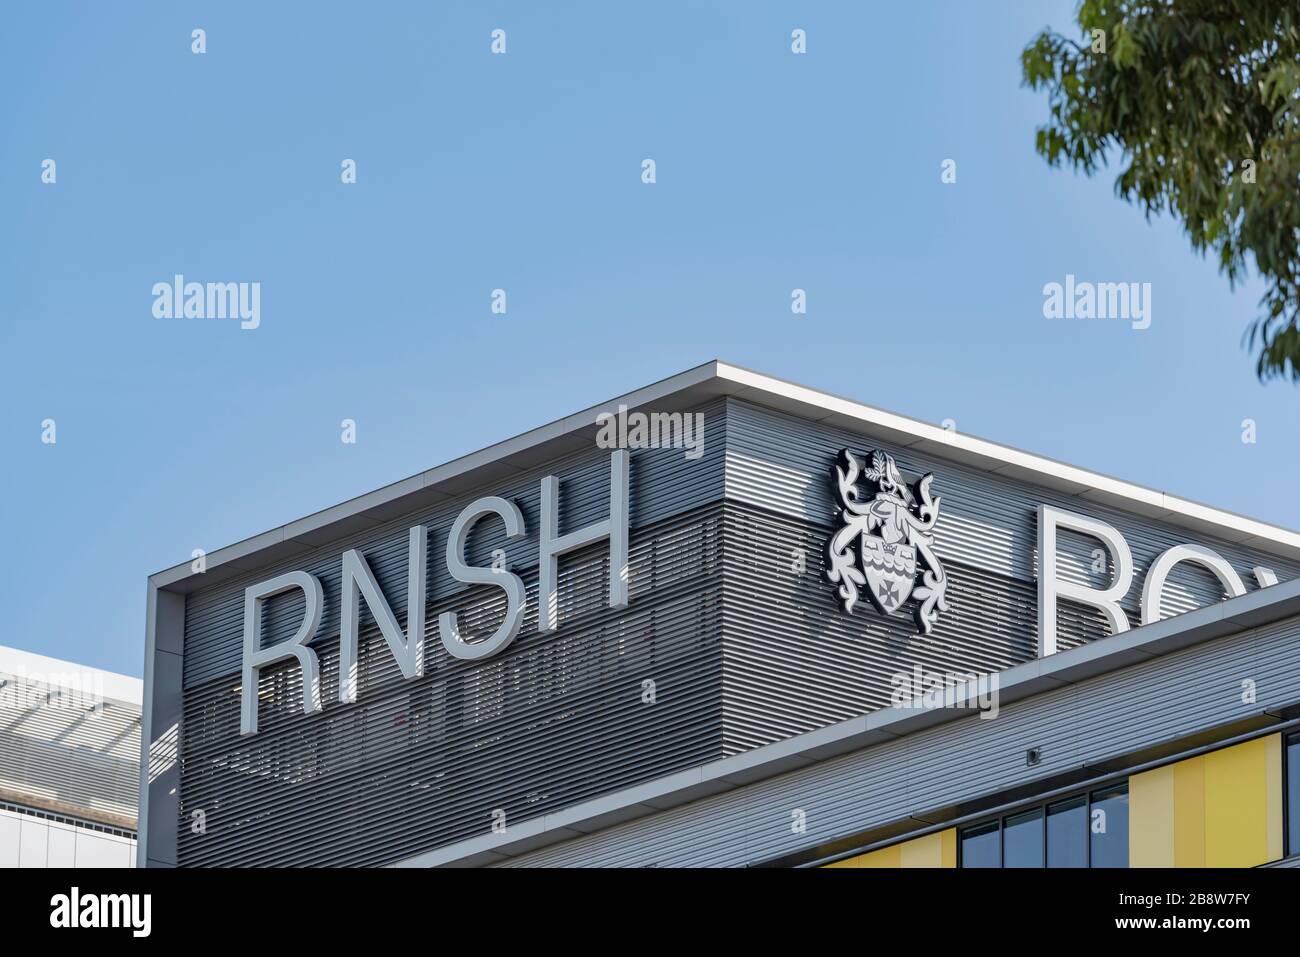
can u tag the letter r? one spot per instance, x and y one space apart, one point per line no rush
1051 587
256 657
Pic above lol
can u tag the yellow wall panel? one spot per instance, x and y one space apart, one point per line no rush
1189 812
1151 819
1220 809
1238 805
948 849
932 850
885 857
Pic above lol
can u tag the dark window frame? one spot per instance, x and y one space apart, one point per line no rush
1042 807
1041 811
1087 821
1288 741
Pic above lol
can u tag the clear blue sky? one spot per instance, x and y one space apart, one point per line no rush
522 171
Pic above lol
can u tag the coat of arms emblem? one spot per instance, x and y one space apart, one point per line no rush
890 523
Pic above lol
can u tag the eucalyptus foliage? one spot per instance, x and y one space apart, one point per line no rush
1199 101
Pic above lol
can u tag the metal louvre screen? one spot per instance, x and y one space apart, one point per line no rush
794 661
69 750
553 720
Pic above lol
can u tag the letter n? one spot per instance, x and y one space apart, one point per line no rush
359 581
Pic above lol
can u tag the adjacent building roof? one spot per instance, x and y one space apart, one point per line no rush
69 738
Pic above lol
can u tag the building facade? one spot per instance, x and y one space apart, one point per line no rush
69 763
729 621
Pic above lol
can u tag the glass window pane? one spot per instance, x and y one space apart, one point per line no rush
1067 833
980 846
1022 839
1293 795
1108 827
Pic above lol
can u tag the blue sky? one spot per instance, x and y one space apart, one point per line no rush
522 172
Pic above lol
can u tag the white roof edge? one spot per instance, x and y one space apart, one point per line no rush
69 674
552 430
1117 491
1009 455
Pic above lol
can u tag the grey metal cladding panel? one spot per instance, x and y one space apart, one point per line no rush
1275 655
1137 711
794 661
1094 721
663 483
550 722
783 463
924 775
739 827
62 745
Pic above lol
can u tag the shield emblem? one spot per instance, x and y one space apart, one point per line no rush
890 570
892 521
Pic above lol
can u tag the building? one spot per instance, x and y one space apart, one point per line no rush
726 620
69 763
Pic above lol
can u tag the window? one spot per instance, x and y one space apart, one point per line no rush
1108 828
1067 833
981 846
1291 754
1086 830
1022 839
